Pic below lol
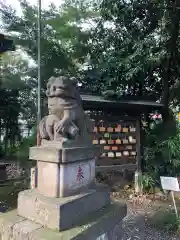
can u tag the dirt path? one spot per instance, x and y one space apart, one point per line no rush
136 226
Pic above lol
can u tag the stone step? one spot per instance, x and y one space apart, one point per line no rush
60 213
105 223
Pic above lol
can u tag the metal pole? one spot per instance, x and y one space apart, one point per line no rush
39 63
39 71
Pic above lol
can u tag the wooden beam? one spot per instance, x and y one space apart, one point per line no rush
129 167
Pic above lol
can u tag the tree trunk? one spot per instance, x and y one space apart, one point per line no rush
171 49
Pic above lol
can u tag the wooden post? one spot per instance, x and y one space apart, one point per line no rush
138 172
174 203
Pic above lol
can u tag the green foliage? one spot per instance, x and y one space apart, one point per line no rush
166 221
16 100
161 154
23 150
148 182
64 43
6 44
125 49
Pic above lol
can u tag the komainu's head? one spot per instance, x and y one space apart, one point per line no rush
62 87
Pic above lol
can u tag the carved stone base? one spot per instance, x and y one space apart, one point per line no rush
56 154
60 213
64 172
63 180
66 143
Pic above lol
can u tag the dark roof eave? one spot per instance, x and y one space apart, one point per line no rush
91 100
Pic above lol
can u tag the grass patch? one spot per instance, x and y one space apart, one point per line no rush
166 220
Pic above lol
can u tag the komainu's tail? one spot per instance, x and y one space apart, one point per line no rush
42 129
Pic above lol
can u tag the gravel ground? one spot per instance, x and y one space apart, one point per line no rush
136 227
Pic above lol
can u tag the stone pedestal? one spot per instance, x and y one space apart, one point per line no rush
64 202
64 172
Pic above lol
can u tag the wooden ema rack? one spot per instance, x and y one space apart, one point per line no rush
118 140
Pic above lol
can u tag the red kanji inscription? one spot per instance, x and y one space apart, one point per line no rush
80 174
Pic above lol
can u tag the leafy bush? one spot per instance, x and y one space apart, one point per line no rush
148 182
161 154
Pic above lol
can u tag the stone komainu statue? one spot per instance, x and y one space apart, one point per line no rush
66 120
